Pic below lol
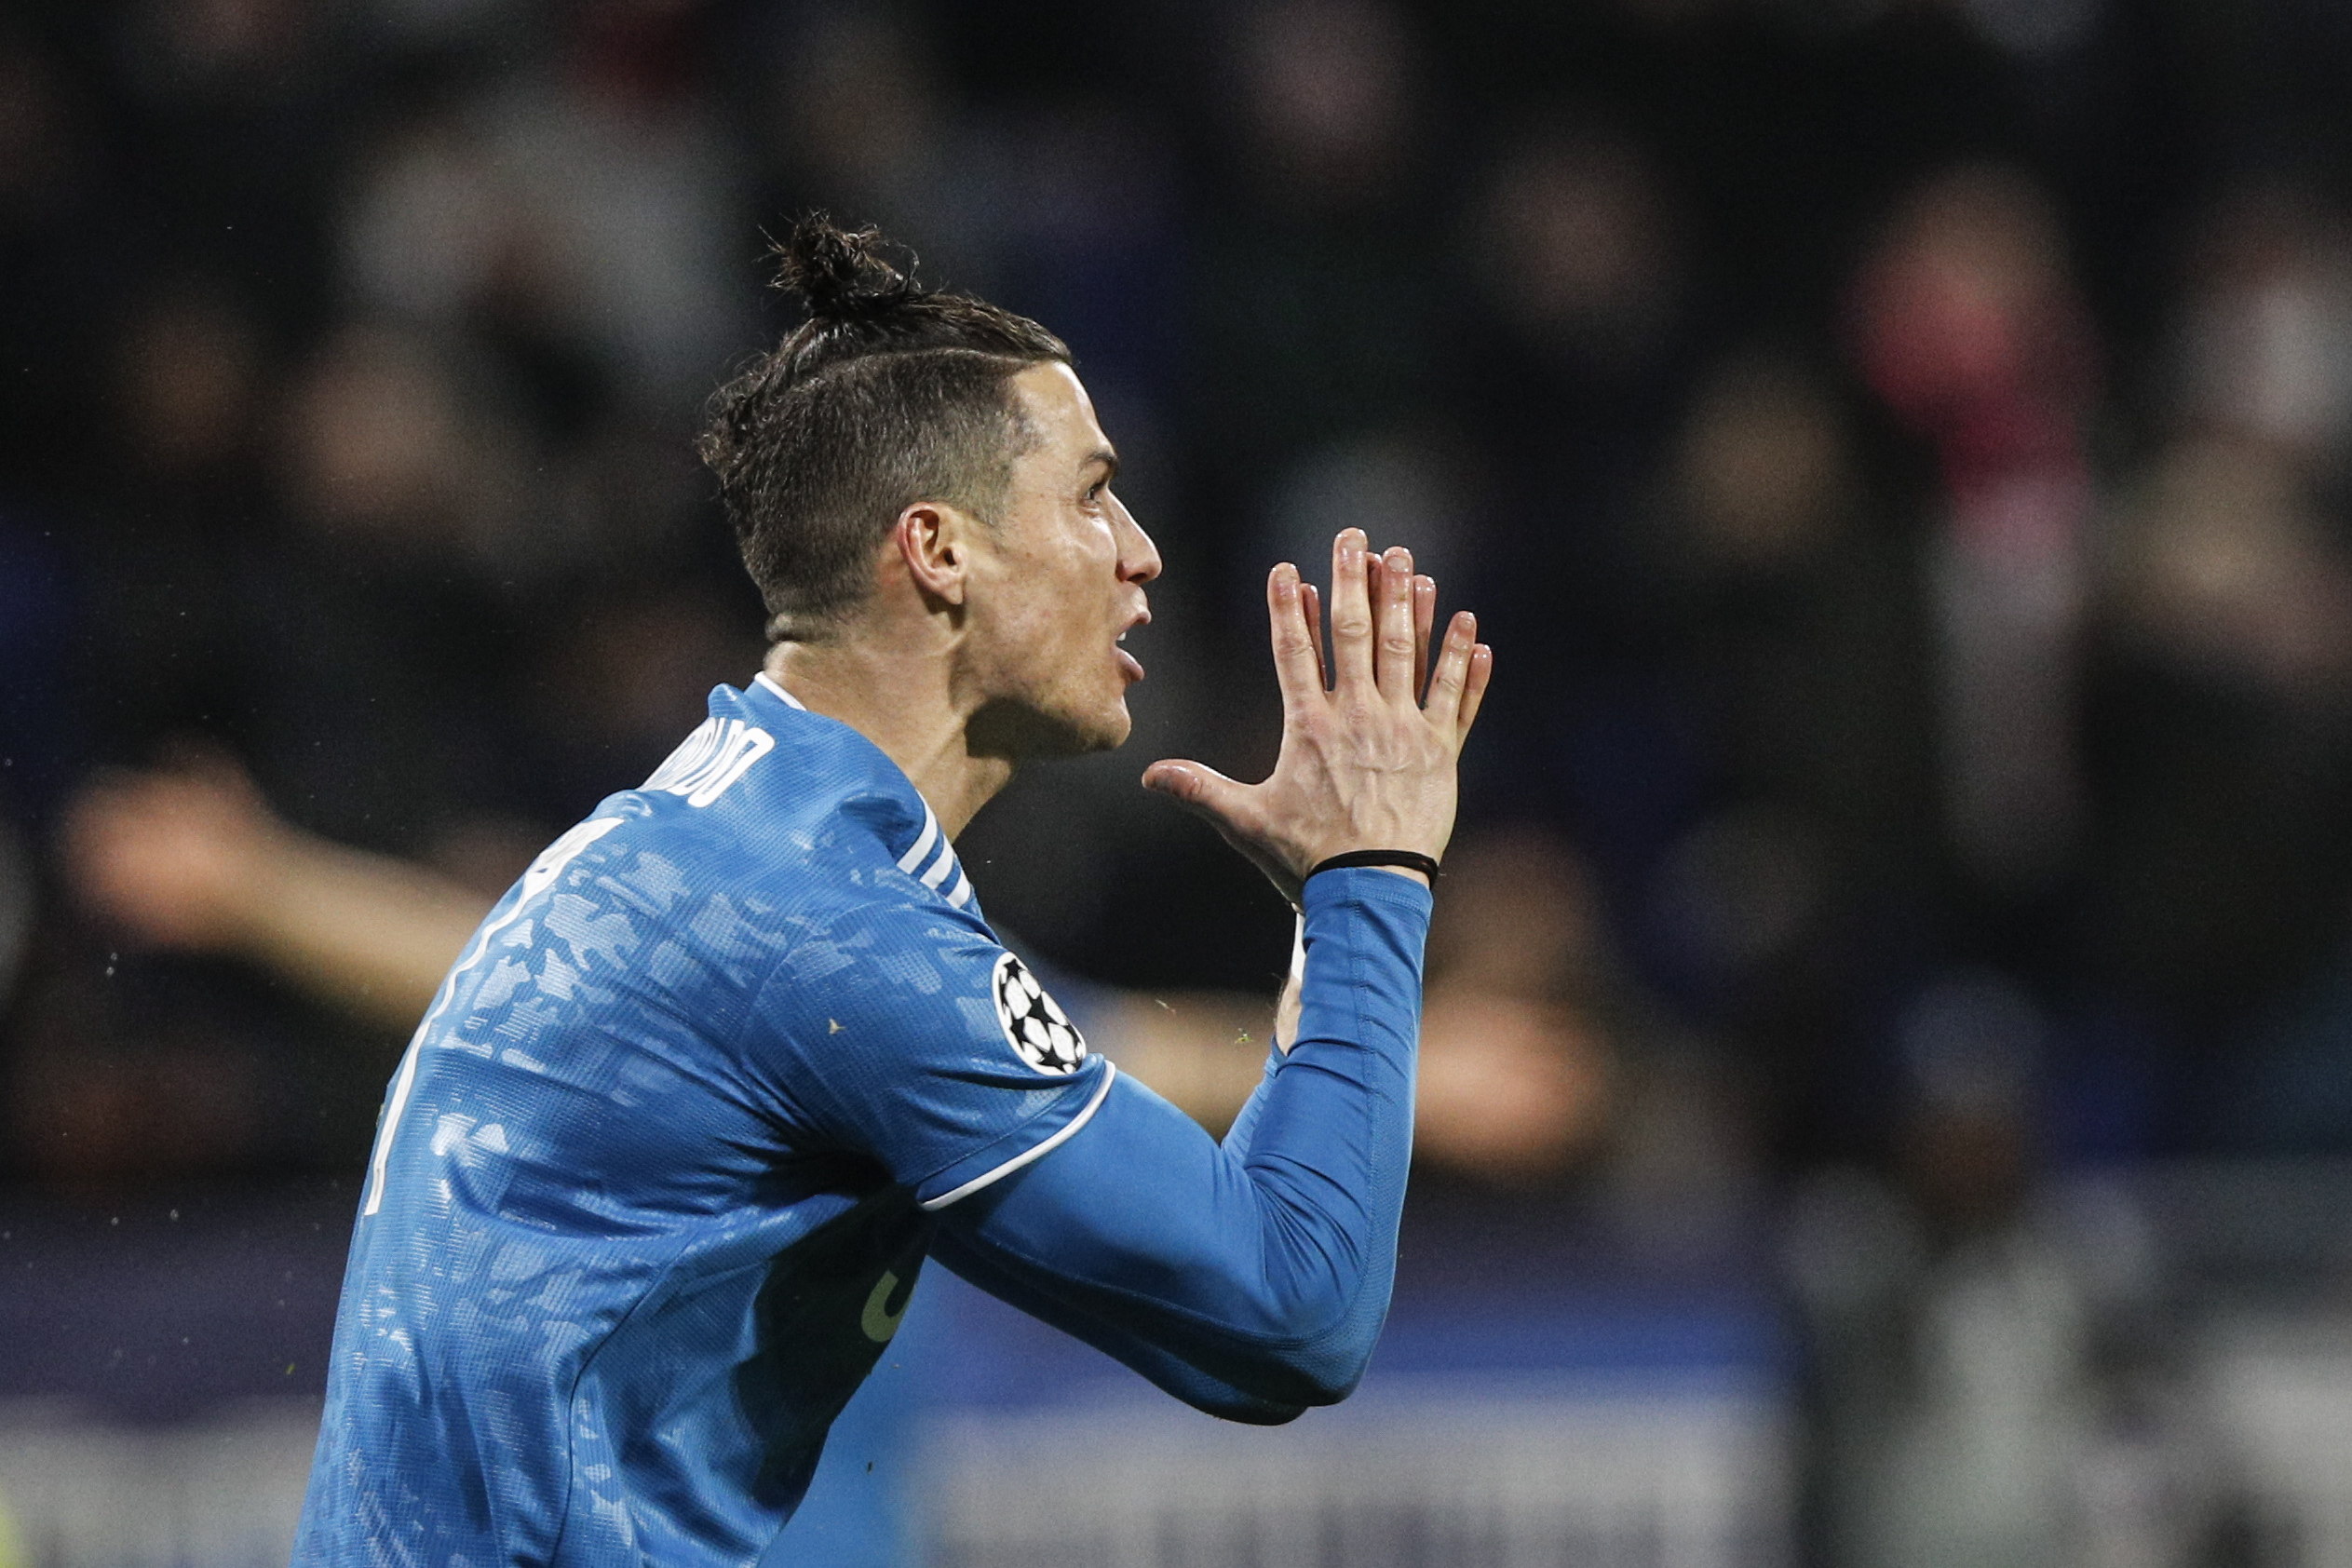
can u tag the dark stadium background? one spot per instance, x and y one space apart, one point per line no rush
1891 1024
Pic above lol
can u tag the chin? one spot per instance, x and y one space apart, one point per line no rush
1111 733
1023 733
1104 730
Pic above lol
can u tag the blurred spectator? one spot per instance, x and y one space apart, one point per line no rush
59 238
855 115
195 861
1792 599
620 680
179 512
1571 377
2264 346
1966 322
1977 1349
1796 607
237 129
2222 730
1579 243
583 210
1527 1032
1317 296
397 592
2222 744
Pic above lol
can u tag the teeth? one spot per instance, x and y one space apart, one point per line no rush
1122 636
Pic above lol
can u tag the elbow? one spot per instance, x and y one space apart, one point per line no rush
1321 1387
1268 1384
1320 1361
1250 1410
1299 1378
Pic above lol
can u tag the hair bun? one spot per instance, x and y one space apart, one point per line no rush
841 272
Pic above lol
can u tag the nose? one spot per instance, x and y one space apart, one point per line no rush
1139 558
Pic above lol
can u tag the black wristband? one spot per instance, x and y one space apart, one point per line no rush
1411 859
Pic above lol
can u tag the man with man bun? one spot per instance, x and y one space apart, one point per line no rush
740 1052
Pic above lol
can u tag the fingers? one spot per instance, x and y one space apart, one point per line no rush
1200 786
1351 611
1451 679
1474 693
1392 613
1298 655
1314 603
1425 616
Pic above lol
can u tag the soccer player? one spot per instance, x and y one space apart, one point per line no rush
739 1053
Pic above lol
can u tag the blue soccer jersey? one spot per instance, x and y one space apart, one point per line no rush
737 1053
652 1184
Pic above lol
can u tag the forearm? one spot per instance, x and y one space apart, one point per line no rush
1266 1265
1286 1032
1285 1007
367 933
1110 1335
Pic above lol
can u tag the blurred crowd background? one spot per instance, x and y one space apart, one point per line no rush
1900 451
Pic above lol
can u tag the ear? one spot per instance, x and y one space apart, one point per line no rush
934 542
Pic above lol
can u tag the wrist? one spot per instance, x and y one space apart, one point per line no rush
1413 863
253 905
1361 886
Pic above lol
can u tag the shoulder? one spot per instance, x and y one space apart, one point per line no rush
799 822
886 930
761 792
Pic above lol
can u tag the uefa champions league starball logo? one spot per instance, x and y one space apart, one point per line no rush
1040 1031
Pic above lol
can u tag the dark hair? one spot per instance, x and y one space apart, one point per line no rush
887 395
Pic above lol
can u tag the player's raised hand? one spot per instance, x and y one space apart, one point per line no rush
1368 758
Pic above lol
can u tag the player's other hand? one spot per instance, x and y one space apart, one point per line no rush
1368 753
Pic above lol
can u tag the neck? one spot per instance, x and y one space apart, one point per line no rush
905 701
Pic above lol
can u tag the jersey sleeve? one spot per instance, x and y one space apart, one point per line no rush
1251 1277
909 1034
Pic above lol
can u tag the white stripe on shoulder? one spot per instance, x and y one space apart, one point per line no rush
913 858
940 868
1038 1151
764 679
961 894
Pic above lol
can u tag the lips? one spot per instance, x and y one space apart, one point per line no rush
1129 665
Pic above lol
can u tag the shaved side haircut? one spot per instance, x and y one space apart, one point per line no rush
887 395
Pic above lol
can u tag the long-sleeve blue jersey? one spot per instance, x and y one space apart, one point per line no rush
710 1083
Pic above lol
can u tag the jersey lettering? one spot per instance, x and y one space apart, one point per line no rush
877 1321
718 754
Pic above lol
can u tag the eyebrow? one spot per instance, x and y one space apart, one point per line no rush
1104 455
